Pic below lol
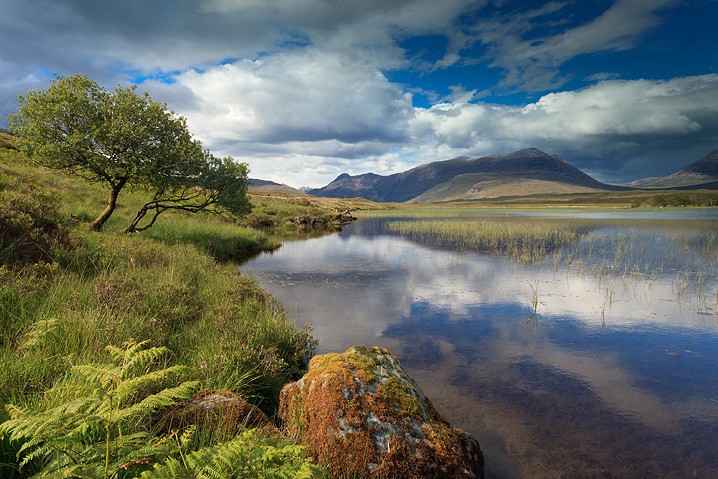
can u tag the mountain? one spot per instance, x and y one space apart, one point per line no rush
700 174
468 177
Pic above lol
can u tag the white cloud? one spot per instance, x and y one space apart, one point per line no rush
306 96
299 107
600 125
304 117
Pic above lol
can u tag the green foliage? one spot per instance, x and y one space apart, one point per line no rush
162 285
94 423
683 199
120 139
246 456
97 423
211 182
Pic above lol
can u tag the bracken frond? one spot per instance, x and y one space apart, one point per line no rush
246 456
164 399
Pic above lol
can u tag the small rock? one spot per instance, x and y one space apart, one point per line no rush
217 410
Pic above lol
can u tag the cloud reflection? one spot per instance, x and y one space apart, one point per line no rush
463 322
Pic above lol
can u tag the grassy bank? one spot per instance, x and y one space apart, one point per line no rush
67 293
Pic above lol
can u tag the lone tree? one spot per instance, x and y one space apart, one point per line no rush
120 139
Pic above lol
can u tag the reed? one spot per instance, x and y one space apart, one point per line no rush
635 253
522 241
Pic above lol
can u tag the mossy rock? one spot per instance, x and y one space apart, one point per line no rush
361 416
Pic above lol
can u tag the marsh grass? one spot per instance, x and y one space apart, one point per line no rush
616 251
169 285
522 241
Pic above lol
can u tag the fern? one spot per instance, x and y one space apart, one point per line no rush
94 424
246 456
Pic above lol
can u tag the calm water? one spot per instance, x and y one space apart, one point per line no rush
589 364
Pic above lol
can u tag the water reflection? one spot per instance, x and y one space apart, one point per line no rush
559 369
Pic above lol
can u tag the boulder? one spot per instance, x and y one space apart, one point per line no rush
361 416
220 411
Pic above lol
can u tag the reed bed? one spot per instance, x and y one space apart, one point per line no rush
634 253
522 241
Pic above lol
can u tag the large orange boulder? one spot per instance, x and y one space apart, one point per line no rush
361 416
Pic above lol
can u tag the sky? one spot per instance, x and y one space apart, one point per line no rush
305 90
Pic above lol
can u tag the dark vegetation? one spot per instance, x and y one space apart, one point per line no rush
617 199
675 199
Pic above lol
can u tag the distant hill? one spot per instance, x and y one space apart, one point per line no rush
529 171
269 187
700 174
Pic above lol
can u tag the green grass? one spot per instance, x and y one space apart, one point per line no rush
521 240
165 284
72 292
277 212
608 199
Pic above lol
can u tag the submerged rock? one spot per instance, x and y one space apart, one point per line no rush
362 416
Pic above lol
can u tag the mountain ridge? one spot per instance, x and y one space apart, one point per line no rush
424 183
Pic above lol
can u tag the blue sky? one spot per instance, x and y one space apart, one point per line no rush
304 90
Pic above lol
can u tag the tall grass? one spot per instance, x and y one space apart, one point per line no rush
523 241
634 253
63 304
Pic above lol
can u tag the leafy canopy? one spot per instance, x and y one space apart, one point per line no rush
121 139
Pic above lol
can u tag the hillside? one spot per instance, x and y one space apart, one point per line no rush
67 292
702 173
467 178
270 187
479 186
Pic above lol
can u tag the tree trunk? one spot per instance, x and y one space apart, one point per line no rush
133 228
98 222
138 217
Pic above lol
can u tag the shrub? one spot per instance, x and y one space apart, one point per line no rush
30 227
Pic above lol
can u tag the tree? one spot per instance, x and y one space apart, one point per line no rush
217 182
119 139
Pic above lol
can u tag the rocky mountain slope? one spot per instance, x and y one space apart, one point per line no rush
700 174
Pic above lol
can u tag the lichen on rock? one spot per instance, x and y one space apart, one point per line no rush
362 416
